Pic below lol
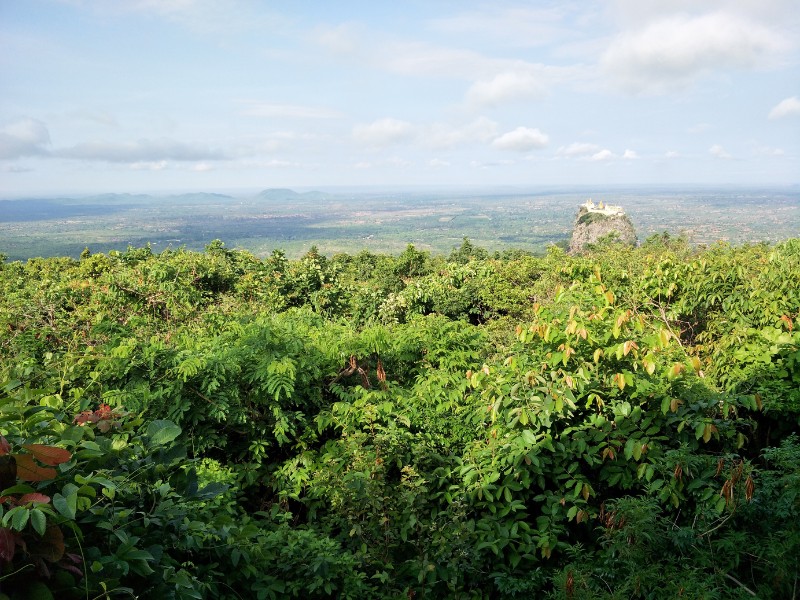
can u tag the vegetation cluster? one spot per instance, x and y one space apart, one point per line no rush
620 424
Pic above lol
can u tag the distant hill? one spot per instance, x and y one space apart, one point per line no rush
286 195
202 198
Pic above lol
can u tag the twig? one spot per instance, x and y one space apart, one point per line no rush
721 523
739 583
666 322
675 522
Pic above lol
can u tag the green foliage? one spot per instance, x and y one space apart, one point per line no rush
212 425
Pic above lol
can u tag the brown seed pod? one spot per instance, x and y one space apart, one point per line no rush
749 488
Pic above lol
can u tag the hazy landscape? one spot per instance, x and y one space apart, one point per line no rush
307 300
382 221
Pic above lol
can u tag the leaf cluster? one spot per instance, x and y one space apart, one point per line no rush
210 424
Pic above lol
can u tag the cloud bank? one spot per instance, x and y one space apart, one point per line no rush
673 51
790 107
521 139
145 151
24 137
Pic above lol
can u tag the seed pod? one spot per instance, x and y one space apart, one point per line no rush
749 488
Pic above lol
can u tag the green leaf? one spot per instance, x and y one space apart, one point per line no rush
39 521
162 432
699 431
211 490
629 448
20 488
67 506
20 518
637 451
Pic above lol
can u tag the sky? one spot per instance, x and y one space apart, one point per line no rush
104 96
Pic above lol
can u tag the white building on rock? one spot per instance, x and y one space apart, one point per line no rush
603 209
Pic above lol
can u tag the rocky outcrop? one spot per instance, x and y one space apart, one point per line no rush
590 227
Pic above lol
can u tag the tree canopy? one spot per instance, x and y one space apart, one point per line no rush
619 424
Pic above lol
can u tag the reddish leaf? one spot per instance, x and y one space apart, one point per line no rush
73 570
104 412
51 546
5 447
28 470
7 545
36 498
49 455
82 418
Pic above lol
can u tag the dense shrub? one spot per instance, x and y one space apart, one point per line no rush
212 425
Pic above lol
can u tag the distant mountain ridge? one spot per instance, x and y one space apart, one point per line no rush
286 194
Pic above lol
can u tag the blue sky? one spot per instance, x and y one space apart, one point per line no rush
157 95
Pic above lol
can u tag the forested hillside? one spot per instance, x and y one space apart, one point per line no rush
621 424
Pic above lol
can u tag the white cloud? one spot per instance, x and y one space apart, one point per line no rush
630 155
506 87
718 151
521 139
23 137
670 154
143 151
790 107
438 163
672 51
591 152
604 154
760 150
494 79
446 136
578 149
383 132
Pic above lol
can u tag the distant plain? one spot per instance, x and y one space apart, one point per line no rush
382 221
